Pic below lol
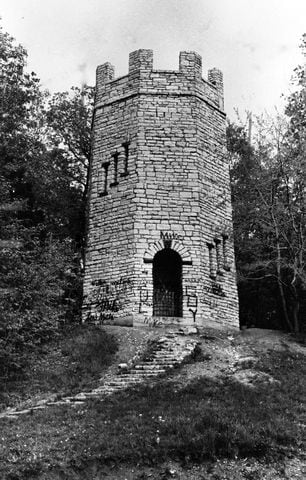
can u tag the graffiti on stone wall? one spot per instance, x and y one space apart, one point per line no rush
194 313
121 286
144 301
170 236
191 280
109 305
211 302
192 300
216 289
99 317
152 321
144 293
107 298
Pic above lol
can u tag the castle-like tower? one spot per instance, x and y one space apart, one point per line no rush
160 247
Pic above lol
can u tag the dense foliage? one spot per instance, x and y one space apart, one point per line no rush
269 201
41 208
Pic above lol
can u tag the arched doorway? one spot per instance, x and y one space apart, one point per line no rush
167 284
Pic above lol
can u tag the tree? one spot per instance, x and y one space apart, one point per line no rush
269 221
20 100
295 183
69 117
40 208
254 283
269 201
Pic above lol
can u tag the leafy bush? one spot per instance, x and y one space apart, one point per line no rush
33 306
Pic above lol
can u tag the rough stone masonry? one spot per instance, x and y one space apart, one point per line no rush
160 245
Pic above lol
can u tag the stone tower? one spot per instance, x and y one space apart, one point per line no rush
160 248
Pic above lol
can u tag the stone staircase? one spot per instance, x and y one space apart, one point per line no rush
162 355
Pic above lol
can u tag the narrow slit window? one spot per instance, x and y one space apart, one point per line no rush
115 179
105 167
218 255
225 253
126 146
212 266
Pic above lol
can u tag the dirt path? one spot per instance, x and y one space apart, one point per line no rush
235 354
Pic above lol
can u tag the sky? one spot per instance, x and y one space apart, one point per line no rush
254 42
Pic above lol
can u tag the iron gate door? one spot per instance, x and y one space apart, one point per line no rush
167 284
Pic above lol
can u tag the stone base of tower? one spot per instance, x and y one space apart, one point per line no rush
141 320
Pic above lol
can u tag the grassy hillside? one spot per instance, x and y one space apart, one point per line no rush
73 361
193 420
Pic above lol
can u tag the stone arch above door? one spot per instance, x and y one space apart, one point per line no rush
174 244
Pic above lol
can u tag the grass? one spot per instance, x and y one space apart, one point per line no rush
205 420
65 367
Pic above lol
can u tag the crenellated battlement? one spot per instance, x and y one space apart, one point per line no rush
190 64
141 62
143 79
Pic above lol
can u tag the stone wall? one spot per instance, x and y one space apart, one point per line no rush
159 181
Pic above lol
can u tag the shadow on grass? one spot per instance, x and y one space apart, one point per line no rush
72 363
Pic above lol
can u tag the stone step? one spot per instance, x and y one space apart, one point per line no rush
166 359
149 366
108 387
164 363
120 382
161 359
165 355
108 392
127 377
145 373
